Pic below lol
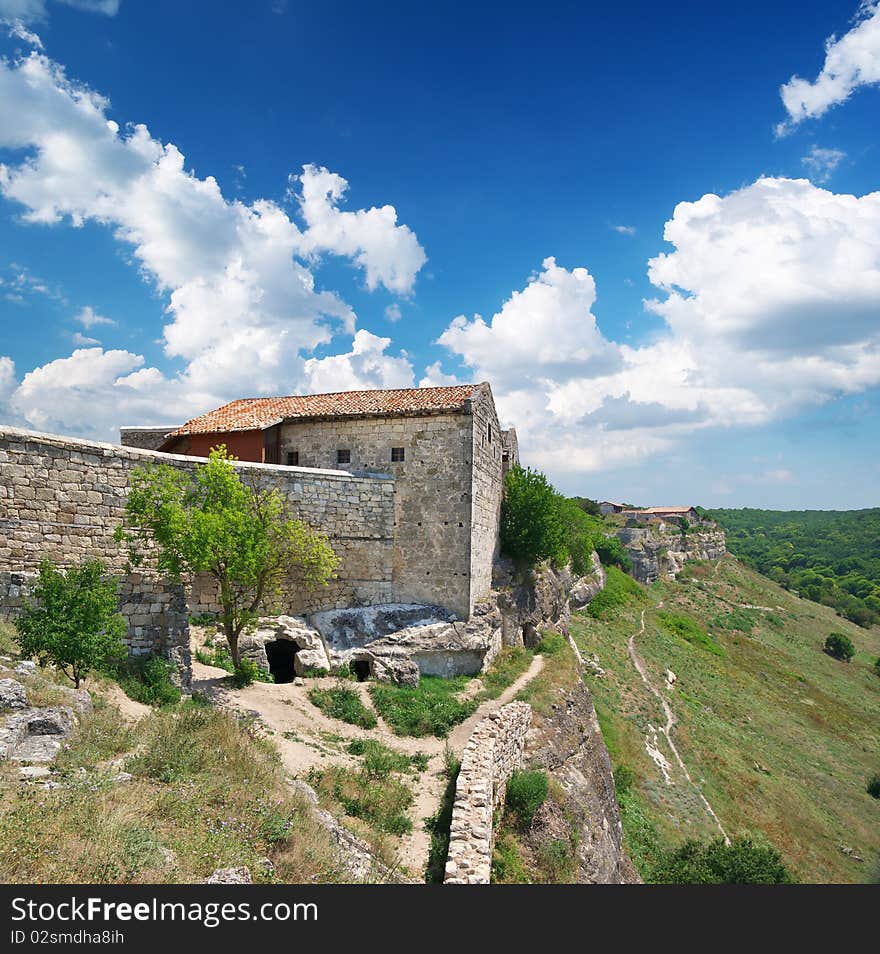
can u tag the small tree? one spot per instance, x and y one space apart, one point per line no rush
532 528
73 619
840 646
211 522
742 861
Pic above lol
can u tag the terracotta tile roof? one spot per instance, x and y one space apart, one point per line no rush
247 414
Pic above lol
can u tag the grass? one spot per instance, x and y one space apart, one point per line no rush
379 760
206 793
779 736
559 674
340 702
507 667
689 629
439 823
619 590
8 642
431 709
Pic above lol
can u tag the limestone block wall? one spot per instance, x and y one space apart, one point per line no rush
493 752
432 506
148 438
62 498
486 495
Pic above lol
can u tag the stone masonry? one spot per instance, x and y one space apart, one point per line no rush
493 752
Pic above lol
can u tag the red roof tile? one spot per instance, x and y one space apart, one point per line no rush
247 414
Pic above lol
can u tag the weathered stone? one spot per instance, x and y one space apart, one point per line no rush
587 587
662 551
26 668
308 661
12 695
241 875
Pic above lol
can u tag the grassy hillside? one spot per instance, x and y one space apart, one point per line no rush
831 556
779 736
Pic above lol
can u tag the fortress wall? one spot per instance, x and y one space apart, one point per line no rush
62 498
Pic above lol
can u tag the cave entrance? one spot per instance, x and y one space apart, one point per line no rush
361 669
281 654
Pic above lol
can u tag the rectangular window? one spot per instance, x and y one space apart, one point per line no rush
343 457
398 454
293 458
489 432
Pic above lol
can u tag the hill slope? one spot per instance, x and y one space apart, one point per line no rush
778 736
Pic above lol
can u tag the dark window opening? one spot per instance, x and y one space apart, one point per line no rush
343 457
361 669
398 454
489 432
293 458
281 654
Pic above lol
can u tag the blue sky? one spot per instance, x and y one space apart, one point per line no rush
533 156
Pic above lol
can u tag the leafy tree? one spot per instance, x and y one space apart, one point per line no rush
211 522
840 646
743 861
73 619
532 528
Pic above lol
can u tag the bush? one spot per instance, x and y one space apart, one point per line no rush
551 644
873 786
532 527
741 862
623 779
73 619
340 702
526 792
148 680
612 553
690 630
248 672
619 589
839 646
381 802
431 709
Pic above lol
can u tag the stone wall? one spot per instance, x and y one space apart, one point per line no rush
486 495
432 516
145 437
493 752
62 498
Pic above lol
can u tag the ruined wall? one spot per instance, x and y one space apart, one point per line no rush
493 752
62 498
486 495
657 552
145 437
432 519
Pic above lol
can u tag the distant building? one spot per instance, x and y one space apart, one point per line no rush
608 506
661 514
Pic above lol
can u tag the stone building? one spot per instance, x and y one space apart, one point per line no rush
443 446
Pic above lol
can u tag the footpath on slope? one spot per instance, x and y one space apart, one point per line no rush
671 720
306 738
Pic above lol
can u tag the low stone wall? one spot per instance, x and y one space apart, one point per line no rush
493 752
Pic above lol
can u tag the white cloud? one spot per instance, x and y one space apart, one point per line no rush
365 366
624 229
851 61
823 162
88 318
244 311
18 31
393 313
83 341
771 300
389 253
29 11
436 377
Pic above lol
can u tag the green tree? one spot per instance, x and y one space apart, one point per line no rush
840 646
532 528
743 861
73 619
211 522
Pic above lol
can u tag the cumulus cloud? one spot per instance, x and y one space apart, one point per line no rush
851 61
18 31
823 162
88 318
624 229
771 302
244 309
365 366
30 11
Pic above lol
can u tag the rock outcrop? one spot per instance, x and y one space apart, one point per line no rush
662 551
588 586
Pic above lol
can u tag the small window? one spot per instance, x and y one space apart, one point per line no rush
489 432
293 458
398 454
343 457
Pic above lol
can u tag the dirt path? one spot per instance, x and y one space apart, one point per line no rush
650 741
307 739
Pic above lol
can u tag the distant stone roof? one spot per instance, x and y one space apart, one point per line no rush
248 414
660 509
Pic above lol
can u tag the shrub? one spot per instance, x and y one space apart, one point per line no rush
248 672
526 792
690 630
430 709
716 862
532 528
340 702
612 553
839 646
73 619
148 680
873 785
619 589
551 644
381 802
623 779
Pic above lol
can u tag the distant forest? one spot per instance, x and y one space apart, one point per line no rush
830 556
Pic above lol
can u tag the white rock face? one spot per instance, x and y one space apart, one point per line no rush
12 694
